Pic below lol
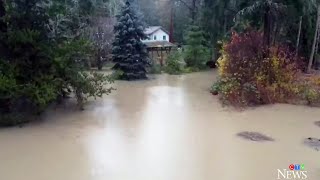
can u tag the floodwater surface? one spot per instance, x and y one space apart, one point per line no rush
167 128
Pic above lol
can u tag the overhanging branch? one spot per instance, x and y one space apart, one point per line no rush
186 4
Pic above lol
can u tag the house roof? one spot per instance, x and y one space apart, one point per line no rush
153 44
153 29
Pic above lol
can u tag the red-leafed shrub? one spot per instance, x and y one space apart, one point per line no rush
244 53
251 74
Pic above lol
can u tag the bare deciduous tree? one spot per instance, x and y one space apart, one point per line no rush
102 35
193 6
313 51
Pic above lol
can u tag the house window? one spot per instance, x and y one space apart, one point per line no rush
164 38
154 37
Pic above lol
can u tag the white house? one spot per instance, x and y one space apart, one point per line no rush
158 43
156 33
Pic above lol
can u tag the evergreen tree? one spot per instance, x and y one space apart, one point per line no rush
28 42
2 14
3 28
129 52
197 52
39 61
26 81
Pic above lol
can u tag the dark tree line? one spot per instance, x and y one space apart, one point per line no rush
44 53
292 22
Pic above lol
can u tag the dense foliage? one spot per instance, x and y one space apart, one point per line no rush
253 74
155 68
44 57
196 52
290 22
48 46
129 52
174 63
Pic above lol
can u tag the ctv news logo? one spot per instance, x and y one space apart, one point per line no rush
296 171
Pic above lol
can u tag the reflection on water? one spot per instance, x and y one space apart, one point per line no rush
168 128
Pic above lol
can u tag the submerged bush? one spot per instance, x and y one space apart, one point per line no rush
43 59
116 75
155 69
70 63
242 57
251 74
174 64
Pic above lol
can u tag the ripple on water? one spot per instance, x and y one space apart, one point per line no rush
314 143
254 136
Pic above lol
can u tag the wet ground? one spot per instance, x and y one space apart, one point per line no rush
168 128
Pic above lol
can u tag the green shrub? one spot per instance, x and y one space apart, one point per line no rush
174 64
8 84
196 53
117 74
189 70
241 67
45 58
252 74
12 119
155 69
216 87
309 92
90 84
70 64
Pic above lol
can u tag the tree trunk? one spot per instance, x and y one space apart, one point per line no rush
3 26
80 99
100 47
172 22
225 24
266 34
192 8
317 44
314 41
193 15
161 57
275 32
3 30
99 62
298 38
2 14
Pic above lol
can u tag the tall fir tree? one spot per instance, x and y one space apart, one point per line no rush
27 39
3 29
2 14
129 52
197 52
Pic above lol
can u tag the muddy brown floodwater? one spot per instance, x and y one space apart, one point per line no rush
167 128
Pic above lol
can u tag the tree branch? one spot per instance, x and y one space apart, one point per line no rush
186 4
231 10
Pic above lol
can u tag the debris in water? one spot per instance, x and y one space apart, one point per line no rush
254 136
214 93
313 143
317 123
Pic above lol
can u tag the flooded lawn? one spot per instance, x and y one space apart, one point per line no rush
168 128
